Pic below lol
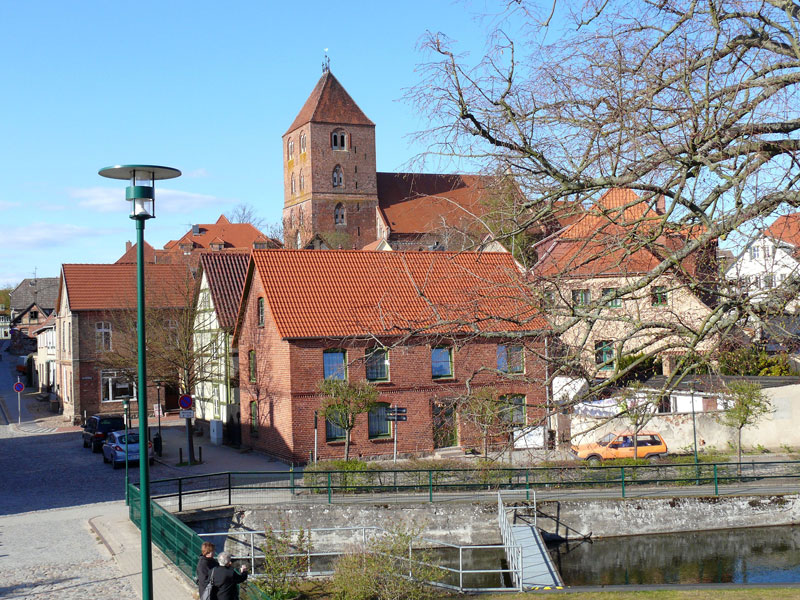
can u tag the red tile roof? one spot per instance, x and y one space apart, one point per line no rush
340 293
103 287
786 228
619 235
234 235
130 254
226 272
329 102
416 203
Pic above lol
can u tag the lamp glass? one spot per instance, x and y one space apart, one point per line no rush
142 207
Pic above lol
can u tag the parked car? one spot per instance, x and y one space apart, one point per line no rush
98 427
620 444
114 448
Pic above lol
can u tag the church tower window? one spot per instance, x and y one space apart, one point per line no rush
292 185
302 181
338 214
302 142
338 177
290 150
338 140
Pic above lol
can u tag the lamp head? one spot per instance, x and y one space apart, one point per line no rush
141 191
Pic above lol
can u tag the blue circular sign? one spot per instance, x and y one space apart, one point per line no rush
185 402
19 386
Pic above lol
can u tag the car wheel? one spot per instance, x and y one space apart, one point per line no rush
115 464
653 458
594 461
96 448
105 458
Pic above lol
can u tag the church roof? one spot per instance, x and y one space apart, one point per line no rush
329 102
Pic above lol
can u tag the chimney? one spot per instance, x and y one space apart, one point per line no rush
128 246
661 206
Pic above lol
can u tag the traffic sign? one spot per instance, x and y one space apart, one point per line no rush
19 386
185 402
187 414
396 411
397 417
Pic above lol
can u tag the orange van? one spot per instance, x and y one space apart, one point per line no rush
619 444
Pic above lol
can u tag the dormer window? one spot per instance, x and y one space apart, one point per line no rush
338 140
337 177
290 150
217 245
302 143
338 214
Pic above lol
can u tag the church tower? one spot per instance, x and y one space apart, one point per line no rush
329 183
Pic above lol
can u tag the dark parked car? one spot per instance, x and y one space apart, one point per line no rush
97 429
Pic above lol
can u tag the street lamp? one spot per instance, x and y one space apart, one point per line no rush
126 405
141 194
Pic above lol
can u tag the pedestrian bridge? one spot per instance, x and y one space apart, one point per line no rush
529 561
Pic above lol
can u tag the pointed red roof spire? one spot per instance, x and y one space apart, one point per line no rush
329 102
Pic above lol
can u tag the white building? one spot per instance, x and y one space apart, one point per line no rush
46 355
769 259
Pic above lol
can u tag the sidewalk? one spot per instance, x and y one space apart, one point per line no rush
122 539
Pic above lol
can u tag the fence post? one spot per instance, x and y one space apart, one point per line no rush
460 568
252 554
716 481
291 478
430 485
329 487
230 499
527 485
180 494
622 470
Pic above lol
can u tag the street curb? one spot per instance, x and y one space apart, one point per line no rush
96 531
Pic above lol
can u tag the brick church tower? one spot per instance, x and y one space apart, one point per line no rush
329 181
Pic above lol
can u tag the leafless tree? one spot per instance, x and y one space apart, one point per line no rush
692 106
246 213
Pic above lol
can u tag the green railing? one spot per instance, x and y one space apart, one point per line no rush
178 542
431 485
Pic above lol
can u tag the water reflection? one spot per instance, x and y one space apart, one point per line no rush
755 555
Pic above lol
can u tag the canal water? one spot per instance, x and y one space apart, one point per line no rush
754 555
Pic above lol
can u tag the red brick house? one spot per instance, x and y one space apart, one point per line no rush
424 327
96 303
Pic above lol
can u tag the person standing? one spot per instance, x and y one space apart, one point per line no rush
225 580
204 565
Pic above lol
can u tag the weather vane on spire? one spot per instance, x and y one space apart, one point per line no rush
326 63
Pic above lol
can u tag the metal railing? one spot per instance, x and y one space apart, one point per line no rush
268 487
512 550
452 578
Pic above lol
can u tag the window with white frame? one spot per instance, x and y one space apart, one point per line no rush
116 386
290 150
302 142
102 336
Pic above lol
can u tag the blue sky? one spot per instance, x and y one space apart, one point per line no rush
206 87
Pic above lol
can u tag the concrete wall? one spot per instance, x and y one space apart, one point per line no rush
772 432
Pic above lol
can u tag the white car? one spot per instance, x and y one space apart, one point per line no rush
114 448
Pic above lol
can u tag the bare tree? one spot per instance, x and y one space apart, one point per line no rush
246 213
638 406
692 106
344 401
746 405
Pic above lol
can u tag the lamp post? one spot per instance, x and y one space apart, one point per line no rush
141 194
126 404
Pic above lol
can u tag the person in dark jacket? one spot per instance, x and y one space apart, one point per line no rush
204 565
225 580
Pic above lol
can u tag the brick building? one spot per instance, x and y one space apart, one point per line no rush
96 312
421 326
335 198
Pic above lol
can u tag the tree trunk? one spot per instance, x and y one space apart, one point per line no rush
485 444
347 445
739 466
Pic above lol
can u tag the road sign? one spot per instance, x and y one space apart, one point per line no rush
19 386
187 414
397 417
396 411
185 402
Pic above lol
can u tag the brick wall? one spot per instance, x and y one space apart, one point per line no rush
289 372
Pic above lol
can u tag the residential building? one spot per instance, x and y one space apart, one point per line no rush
96 317
424 327
584 272
45 374
772 257
216 396
335 198
31 302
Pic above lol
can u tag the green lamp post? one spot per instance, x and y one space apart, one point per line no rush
141 194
